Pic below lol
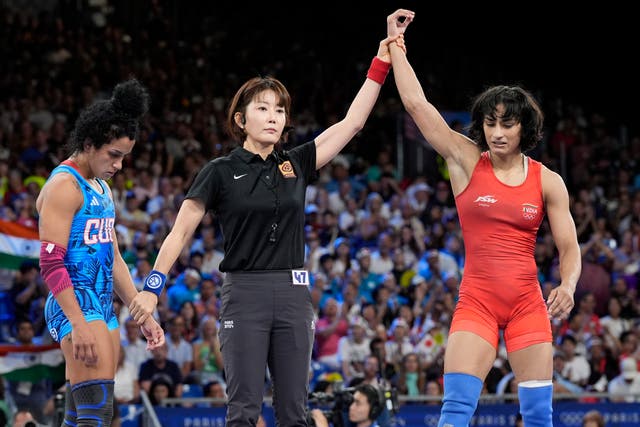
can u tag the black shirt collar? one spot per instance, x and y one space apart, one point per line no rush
247 156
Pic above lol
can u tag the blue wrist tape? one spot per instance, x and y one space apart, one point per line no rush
154 282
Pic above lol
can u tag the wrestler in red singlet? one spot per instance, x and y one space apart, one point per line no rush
500 224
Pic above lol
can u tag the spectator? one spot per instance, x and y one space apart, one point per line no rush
372 325
431 347
126 387
381 258
133 343
604 366
22 417
561 384
433 389
180 351
628 344
211 256
215 390
132 216
369 280
29 395
160 367
576 367
379 352
141 270
26 289
330 327
353 348
411 379
191 321
399 345
159 390
626 386
593 418
372 374
440 269
185 289
613 323
207 358
208 289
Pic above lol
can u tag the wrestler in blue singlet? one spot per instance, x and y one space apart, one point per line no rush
89 259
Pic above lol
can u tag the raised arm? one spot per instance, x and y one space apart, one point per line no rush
332 140
459 151
560 300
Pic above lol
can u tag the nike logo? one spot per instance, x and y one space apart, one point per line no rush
239 176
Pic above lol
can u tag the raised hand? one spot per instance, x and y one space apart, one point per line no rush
398 22
383 49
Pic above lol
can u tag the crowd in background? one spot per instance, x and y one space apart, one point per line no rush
384 249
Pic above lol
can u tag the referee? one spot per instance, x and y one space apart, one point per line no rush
257 193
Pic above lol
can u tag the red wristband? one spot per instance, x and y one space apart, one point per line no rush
378 70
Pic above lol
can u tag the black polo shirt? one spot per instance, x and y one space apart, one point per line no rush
260 206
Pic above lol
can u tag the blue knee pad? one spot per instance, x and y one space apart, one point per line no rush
535 403
461 394
94 403
69 407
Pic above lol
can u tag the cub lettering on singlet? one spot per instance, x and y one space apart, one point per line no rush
98 230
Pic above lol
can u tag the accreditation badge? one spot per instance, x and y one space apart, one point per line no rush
286 169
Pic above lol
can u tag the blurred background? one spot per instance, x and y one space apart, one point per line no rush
383 241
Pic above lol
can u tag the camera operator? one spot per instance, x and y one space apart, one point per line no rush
367 405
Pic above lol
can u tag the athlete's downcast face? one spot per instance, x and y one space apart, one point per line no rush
107 160
502 133
265 119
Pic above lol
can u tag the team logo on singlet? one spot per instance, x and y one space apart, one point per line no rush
487 200
529 211
286 169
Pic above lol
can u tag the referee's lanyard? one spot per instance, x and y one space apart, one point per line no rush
273 187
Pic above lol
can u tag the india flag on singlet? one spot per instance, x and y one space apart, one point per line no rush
17 244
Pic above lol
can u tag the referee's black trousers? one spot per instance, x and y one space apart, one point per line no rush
266 320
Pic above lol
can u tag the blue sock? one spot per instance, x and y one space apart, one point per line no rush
535 403
461 394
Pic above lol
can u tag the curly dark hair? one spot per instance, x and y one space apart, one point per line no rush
519 105
106 120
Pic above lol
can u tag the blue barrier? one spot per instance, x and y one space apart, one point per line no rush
565 414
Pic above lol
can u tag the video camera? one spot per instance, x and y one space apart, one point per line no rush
338 402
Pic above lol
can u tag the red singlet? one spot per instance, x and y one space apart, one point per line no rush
500 288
